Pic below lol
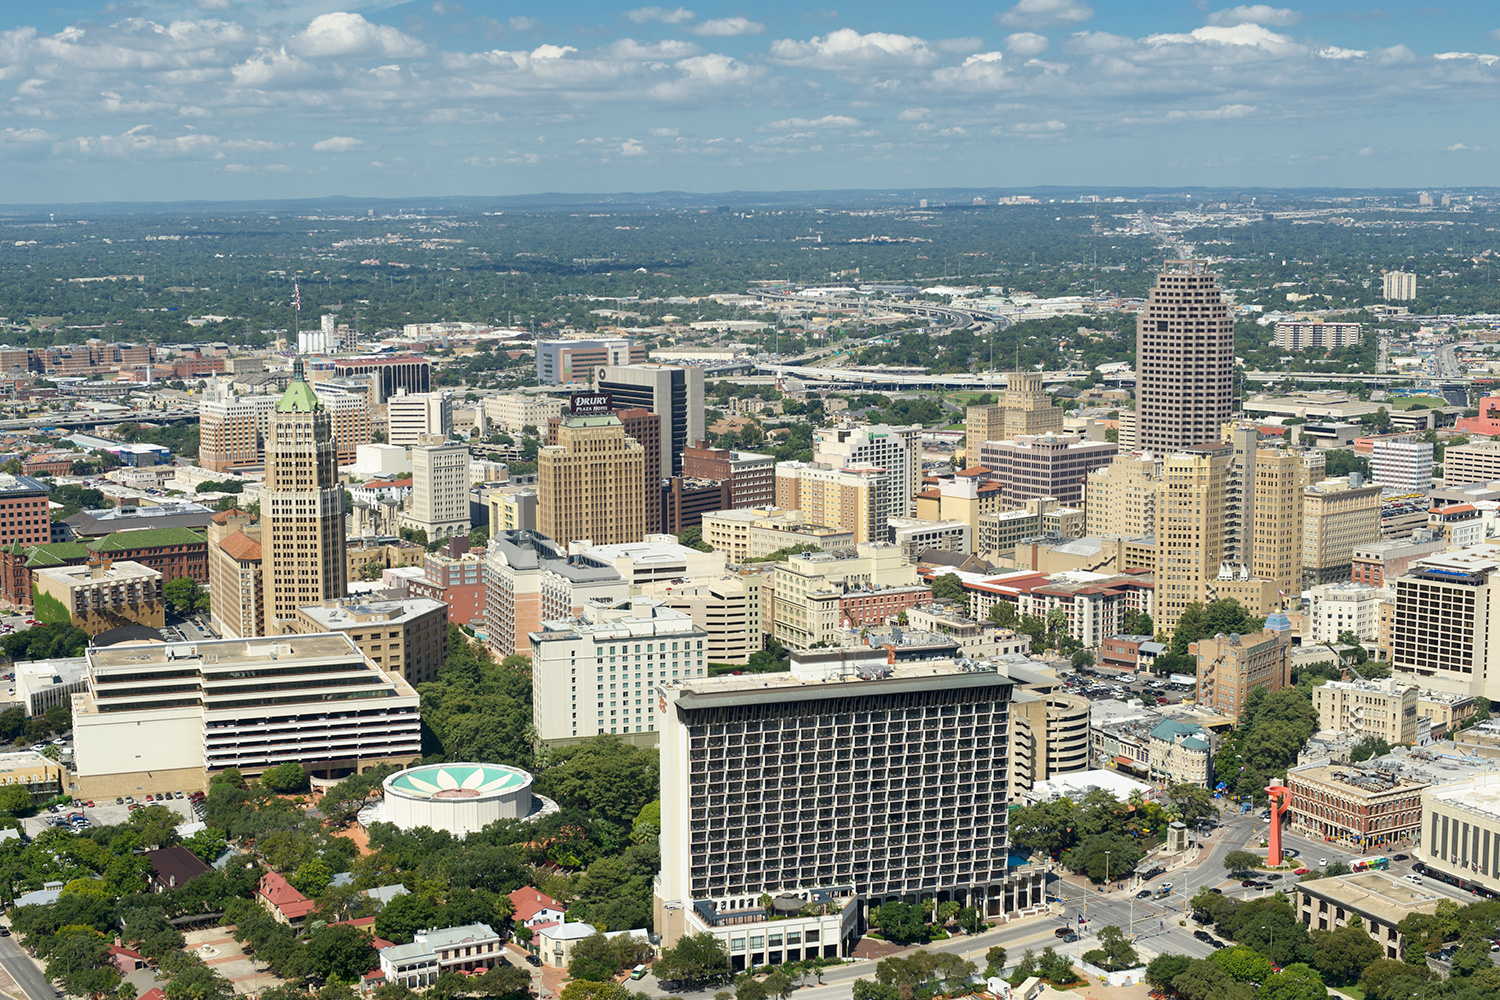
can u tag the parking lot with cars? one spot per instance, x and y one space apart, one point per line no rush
84 813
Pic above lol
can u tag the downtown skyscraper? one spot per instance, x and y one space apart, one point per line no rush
1184 360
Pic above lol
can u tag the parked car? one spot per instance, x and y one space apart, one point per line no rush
1247 882
119 801
533 960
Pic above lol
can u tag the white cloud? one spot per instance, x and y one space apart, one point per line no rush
1213 114
523 23
662 132
345 34
660 15
1041 13
1482 58
337 144
728 27
847 49
631 50
213 4
1027 43
1459 147
914 115
981 71
1334 52
1239 35
1053 125
827 121
1255 13
632 147
1367 151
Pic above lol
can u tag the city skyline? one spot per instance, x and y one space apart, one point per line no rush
239 99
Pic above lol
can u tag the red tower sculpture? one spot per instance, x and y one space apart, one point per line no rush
1281 799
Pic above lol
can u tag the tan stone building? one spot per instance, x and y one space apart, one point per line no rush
1023 409
101 595
232 428
1184 388
1273 546
1121 500
234 575
407 638
1230 667
1337 516
1379 899
590 483
1384 709
757 532
302 507
850 499
1190 529
809 589
41 776
726 609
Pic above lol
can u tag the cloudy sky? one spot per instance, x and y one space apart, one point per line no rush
176 99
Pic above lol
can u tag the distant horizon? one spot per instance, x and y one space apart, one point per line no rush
780 197
161 101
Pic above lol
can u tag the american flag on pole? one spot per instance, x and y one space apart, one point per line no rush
296 295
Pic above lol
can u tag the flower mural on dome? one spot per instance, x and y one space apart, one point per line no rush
458 780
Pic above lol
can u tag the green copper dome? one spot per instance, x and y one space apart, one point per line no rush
299 396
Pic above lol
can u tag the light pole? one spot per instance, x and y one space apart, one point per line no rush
1271 931
1106 868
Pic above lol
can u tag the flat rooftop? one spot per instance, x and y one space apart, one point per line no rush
902 678
1382 895
260 649
353 613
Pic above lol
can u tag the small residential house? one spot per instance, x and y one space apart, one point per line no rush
282 900
532 907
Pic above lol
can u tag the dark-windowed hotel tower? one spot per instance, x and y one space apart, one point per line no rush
1184 360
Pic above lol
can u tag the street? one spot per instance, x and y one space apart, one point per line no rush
25 972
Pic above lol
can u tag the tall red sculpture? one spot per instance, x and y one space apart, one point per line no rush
1281 799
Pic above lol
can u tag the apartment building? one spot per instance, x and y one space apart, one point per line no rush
235 575
852 499
1230 667
1317 335
434 952
726 608
455 576
244 703
352 420
915 535
572 661
755 533
999 533
1385 709
1120 498
1475 462
102 594
1378 563
819 814
1338 515
1048 465
1398 286
530 579
1337 608
232 428
897 450
407 638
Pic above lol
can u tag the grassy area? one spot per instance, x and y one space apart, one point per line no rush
1356 991
968 396
1407 402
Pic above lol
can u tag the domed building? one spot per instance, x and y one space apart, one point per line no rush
458 798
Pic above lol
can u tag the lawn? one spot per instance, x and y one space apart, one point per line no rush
1407 402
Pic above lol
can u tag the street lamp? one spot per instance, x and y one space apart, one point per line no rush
1106 868
1271 931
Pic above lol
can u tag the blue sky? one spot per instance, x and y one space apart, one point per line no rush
187 99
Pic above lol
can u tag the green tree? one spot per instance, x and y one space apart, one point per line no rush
1206 980
340 952
1370 746
948 586
1083 660
865 989
1243 964
1162 969
698 960
183 595
16 800
904 923
1114 952
403 916
994 961
582 989
1242 861
604 776
1341 954
593 959
285 778
1193 802
1297 981
1390 979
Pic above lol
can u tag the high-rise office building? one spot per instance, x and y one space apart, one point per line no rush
1190 518
302 507
1273 549
1048 465
1024 409
1184 386
1232 666
850 499
1120 499
439 502
411 415
1402 465
671 392
591 483
530 579
1440 634
1338 515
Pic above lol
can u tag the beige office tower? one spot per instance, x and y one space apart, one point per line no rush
1120 500
1337 515
1274 551
302 507
1190 513
590 484
1184 345
1024 409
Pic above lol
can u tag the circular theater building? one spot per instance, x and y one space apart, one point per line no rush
458 798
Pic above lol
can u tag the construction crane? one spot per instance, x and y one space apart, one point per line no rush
1344 664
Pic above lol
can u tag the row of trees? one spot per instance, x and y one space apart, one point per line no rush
1101 836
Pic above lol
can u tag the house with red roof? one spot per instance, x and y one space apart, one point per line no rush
282 900
532 907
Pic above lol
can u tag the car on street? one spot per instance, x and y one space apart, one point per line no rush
1063 931
1143 894
1398 857
1203 936
1166 885
1216 890
1322 862
1273 877
4 932
1302 871
1069 938
1247 882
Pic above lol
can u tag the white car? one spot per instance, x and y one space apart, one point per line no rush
1413 878
1322 862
